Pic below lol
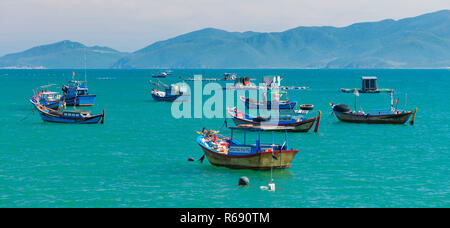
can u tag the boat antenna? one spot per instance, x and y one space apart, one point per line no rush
392 100
356 95
406 99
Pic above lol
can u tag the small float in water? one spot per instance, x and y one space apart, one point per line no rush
228 152
281 123
64 116
391 116
304 109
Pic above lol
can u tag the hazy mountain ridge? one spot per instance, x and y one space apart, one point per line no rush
64 54
416 42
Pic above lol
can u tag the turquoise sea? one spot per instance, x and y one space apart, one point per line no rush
138 158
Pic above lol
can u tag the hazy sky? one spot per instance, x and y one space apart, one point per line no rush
128 25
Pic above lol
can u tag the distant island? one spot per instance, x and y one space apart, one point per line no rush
417 42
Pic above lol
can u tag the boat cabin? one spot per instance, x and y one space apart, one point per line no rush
76 114
272 81
369 83
76 88
237 147
48 95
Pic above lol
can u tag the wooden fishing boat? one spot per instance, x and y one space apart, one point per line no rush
379 117
391 116
228 152
64 116
289 123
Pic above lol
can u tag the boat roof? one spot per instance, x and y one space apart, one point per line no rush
77 111
368 77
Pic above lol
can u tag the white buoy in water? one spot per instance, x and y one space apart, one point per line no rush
271 186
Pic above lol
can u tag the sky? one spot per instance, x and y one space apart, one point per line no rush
129 25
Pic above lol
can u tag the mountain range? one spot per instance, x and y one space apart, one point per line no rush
417 42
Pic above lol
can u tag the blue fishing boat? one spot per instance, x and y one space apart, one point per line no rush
228 152
282 122
48 99
76 94
64 116
271 100
169 94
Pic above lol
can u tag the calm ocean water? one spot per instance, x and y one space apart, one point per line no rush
138 158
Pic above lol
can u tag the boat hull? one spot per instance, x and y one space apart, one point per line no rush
366 91
82 100
259 161
166 98
303 126
399 118
269 105
48 104
54 119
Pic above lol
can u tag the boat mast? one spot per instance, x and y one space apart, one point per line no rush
85 78
392 100
406 99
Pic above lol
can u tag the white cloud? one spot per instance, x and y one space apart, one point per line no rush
132 24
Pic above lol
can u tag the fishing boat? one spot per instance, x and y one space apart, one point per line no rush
228 152
391 116
160 75
48 99
282 122
64 116
274 102
170 93
369 85
76 93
